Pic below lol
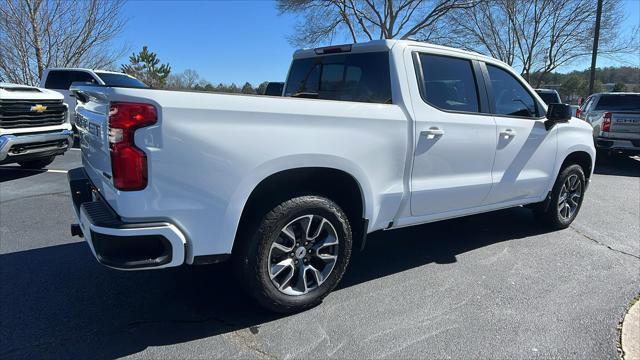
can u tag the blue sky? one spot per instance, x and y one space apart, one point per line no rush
233 40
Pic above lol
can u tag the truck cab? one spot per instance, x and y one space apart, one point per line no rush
60 80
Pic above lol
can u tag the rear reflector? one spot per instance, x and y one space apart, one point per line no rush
332 49
128 163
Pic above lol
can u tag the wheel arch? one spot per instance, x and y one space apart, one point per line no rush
276 181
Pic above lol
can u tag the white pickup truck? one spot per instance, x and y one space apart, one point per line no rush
367 137
34 126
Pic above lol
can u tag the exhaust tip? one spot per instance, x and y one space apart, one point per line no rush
76 230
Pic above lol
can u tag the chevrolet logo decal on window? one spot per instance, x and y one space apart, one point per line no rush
39 108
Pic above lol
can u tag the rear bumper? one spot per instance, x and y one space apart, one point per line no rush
616 144
118 244
15 148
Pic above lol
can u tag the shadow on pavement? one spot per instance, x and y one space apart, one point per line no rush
57 302
616 164
8 173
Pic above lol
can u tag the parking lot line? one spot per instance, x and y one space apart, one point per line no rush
33 170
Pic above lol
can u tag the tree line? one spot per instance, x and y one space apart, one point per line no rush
537 37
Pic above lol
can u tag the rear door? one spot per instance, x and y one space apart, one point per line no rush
455 136
61 80
525 151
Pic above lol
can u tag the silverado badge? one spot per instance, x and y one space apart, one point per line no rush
39 108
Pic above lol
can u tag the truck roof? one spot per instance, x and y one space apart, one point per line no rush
386 45
85 69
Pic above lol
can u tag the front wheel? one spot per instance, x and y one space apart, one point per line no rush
566 198
297 255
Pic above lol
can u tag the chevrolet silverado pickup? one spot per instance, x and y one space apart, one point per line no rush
366 137
615 119
34 126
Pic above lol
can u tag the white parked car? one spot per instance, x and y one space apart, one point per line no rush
367 137
34 126
60 80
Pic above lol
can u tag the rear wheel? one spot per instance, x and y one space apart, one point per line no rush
37 163
297 255
566 198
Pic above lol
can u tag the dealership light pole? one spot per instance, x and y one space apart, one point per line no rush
594 53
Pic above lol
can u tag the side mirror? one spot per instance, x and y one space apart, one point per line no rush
557 113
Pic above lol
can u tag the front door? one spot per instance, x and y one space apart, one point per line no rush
526 151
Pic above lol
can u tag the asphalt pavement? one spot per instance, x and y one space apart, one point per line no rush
495 285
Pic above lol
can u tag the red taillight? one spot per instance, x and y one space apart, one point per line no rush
606 122
128 163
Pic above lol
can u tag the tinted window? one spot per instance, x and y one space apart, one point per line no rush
348 77
510 96
449 83
549 97
62 80
274 89
626 102
122 80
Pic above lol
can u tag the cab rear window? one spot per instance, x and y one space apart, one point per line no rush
347 77
620 102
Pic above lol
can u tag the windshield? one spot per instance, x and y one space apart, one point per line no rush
619 102
120 80
549 97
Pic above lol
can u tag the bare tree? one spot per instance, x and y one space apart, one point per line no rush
537 36
356 20
37 34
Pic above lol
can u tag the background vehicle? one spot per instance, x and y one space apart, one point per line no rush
274 89
615 118
34 126
60 80
549 96
367 137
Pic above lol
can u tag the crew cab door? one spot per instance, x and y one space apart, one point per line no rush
526 151
454 138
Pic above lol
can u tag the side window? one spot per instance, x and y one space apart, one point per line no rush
361 77
448 83
62 80
509 95
587 104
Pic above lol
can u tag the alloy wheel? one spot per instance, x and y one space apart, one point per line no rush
303 255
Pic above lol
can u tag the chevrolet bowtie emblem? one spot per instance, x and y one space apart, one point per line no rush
39 108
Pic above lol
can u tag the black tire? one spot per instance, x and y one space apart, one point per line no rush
253 258
550 215
37 163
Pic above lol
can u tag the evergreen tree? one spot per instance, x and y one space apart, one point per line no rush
146 66
619 87
247 88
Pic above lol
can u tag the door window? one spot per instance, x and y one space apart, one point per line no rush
62 80
510 97
448 83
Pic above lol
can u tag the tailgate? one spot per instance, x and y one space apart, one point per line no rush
625 122
91 120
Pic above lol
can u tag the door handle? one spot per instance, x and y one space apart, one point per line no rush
508 133
432 132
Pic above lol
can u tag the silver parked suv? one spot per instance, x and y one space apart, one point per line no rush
615 118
